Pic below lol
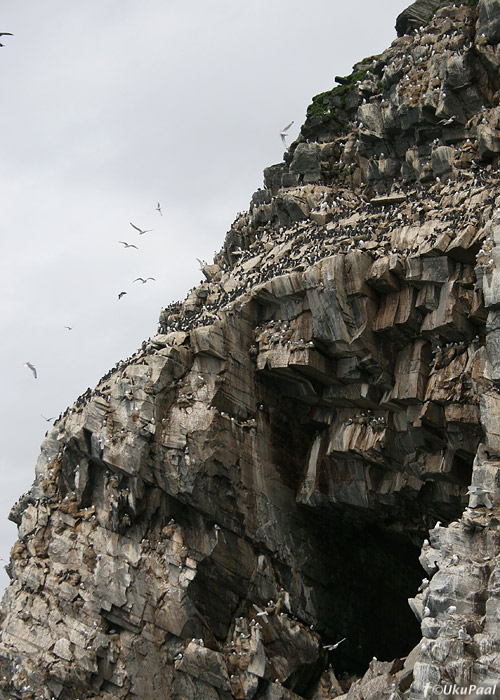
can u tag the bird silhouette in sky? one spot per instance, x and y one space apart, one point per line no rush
49 420
141 231
5 34
141 279
32 368
129 245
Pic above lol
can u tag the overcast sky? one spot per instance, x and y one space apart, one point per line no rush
110 106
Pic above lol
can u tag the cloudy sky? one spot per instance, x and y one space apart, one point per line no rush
108 108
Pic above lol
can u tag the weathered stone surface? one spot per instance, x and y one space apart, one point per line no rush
442 160
488 23
255 483
416 15
488 141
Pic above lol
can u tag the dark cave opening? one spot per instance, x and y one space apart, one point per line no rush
364 561
371 574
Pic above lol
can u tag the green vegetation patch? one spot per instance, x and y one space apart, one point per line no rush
326 105
350 80
368 61
322 108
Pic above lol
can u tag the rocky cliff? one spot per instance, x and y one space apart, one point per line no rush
312 431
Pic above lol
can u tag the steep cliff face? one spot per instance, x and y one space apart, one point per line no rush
263 477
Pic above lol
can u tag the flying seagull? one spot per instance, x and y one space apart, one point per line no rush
283 133
261 613
70 328
331 647
128 245
141 279
158 209
121 294
481 496
141 231
5 34
49 420
447 122
31 367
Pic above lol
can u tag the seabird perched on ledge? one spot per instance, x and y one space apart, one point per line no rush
394 695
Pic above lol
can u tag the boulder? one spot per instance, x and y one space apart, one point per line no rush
488 141
442 160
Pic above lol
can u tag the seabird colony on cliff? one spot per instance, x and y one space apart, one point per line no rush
379 223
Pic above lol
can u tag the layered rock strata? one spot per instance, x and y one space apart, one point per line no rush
263 478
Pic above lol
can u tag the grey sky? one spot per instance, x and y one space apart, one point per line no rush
108 108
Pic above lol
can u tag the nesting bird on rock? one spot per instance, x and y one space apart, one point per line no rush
394 695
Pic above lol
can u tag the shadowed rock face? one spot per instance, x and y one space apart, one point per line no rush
264 476
416 15
420 12
488 24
